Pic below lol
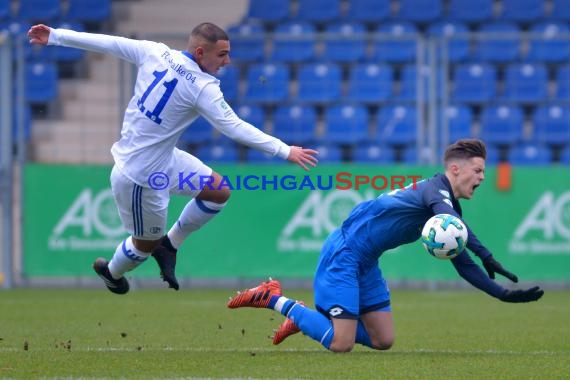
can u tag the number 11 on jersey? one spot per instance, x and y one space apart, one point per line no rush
170 85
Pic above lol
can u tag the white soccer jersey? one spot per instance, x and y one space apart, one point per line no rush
171 91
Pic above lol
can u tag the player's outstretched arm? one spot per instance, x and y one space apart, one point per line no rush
39 34
492 266
303 157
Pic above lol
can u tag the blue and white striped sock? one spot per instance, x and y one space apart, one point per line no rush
311 322
193 217
126 258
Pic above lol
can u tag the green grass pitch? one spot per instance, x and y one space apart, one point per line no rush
159 333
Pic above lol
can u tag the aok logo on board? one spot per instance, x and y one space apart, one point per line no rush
545 229
319 214
91 222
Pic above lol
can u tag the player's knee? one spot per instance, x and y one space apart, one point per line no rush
219 196
226 195
145 245
383 343
341 347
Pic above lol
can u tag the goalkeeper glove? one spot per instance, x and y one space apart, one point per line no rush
517 296
492 266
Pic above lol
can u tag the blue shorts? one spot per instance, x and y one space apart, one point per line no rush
346 285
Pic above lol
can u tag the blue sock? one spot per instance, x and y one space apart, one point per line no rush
362 336
311 322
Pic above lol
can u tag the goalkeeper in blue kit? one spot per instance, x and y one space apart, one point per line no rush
352 298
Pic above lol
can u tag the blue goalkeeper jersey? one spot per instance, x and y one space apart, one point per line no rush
397 217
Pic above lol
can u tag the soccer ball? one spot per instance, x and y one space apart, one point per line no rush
444 236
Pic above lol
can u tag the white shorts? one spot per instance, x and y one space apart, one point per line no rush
144 209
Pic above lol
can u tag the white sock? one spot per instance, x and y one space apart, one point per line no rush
280 303
126 258
193 217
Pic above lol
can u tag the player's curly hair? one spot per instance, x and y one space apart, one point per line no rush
465 149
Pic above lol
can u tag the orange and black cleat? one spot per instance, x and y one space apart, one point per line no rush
256 297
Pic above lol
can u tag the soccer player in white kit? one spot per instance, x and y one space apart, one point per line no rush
172 89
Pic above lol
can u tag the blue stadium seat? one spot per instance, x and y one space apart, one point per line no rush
32 53
502 124
38 10
15 27
529 154
562 82
269 11
474 83
548 43
369 11
254 115
295 124
560 10
456 35
66 54
328 153
396 42
565 156
294 42
420 11
88 10
459 120
397 125
226 152
229 77
470 11
247 41
259 157
522 10
552 124
267 83
344 42
373 152
408 90
346 124
493 155
525 82
319 83
198 132
412 156
370 83
41 82
318 11
5 9
499 42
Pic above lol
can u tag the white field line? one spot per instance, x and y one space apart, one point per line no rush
265 349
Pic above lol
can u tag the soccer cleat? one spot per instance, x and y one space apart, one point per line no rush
286 329
101 267
166 260
256 297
